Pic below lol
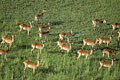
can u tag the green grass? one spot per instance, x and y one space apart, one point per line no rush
64 15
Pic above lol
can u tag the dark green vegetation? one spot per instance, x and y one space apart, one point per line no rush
64 15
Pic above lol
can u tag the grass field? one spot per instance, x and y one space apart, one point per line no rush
63 15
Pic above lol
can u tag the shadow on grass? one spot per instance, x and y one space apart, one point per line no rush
57 23
24 46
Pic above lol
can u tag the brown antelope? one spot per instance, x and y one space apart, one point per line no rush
45 33
89 42
108 52
115 25
105 64
7 40
38 17
97 22
84 53
119 35
66 47
104 40
37 46
42 27
26 27
30 64
4 52
62 35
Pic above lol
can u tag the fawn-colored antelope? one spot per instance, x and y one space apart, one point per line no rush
62 34
119 35
26 27
84 53
30 64
66 47
37 46
44 27
104 40
97 22
38 17
108 52
44 33
4 52
8 40
115 26
105 64
89 42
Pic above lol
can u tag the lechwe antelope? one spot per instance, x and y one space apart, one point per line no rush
115 25
66 47
119 35
26 27
30 64
84 53
38 17
8 40
4 52
104 40
89 42
44 27
44 33
108 52
105 64
97 22
62 34
37 46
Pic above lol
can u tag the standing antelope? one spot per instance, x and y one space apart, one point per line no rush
4 52
115 25
7 40
84 53
89 42
44 26
97 22
37 46
26 27
38 17
62 35
66 47
30 64
108 52
119 35
104 40
105 64
45 33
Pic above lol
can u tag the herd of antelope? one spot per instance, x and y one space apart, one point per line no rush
63 44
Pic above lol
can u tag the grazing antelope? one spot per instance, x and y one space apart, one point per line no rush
108 52
89 42
97 22
62 35
37 46
66 47
4 52
30 64
84 53
26 27
45 33
38 17
104 40
115 25
7 40
105 64
44 27
119 35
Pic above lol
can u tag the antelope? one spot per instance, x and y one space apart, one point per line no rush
39 16
115 25
108 52
44 27
89 42
4 52
97 22
105 64
37 46
62 35
26 27
119 35
30 64
66 47
7 40
104 40
84 53
45 33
